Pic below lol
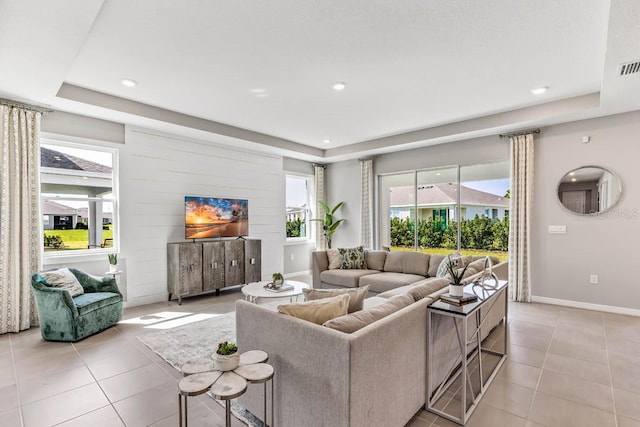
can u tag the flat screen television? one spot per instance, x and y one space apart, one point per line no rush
207 217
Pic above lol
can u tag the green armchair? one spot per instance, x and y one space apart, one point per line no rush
66 318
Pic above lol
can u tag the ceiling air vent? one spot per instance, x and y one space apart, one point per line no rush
629 68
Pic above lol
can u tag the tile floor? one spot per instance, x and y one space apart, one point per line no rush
566 367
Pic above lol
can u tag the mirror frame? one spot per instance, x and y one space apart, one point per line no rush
615 202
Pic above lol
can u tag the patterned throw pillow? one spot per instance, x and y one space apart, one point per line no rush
353 258
335 259
63 278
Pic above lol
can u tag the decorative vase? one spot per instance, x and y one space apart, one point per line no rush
456 290
278 283
226 362
113 268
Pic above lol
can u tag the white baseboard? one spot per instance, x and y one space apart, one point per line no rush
297 273
587 306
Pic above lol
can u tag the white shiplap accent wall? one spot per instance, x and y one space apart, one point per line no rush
158 170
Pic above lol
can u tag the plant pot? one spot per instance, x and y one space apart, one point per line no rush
228 362
113 268
456 290
278 283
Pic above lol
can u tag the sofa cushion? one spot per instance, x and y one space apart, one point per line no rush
373 302
427 287
434 264
353 258
86 303
63 278
334 258
356 296
384 281
318 311
344 278
375 259
478 264
407 262
352 322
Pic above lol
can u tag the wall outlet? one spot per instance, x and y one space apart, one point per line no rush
593 279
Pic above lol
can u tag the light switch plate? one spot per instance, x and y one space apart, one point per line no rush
557 229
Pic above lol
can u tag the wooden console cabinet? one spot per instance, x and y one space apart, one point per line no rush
198 267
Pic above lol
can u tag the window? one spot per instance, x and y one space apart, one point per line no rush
297 201
77 188
431 211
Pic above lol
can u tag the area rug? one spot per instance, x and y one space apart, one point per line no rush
199 339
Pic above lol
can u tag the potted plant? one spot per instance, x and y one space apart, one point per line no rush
278 280
226 357
329 223
456 288
113 262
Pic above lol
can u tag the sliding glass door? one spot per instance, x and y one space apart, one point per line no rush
443 209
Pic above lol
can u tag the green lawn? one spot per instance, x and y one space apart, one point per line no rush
76 239
442 251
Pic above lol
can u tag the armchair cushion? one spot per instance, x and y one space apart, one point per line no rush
89 302
62 278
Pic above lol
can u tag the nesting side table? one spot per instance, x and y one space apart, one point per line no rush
201 376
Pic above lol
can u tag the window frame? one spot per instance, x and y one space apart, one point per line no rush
309 227
49 257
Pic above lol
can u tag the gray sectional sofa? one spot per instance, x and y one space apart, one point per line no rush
375 375
385 270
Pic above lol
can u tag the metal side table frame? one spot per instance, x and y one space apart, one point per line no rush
461 315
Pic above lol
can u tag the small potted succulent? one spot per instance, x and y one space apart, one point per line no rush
456 288
113 263
226 357
278 280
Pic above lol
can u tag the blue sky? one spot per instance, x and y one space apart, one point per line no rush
494 186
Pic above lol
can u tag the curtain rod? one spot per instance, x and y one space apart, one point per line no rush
523 132
322 165
25 106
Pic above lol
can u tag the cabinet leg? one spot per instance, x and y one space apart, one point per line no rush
179 300
217 292
169 297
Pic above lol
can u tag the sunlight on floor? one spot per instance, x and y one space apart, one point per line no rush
149 319
182 321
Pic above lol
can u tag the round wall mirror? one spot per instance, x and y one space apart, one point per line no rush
589 190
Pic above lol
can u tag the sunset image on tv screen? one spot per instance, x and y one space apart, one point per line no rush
207 217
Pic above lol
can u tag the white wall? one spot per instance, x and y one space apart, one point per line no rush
607 245
157 171
343 185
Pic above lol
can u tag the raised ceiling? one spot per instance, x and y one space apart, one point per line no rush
417 72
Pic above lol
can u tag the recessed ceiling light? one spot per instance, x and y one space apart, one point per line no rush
257 90
326 141
129 82
339 85
539 90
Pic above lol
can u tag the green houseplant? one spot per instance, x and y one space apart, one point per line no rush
226 357
113 262
278 279
329 223
455 275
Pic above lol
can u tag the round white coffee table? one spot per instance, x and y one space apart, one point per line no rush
253 291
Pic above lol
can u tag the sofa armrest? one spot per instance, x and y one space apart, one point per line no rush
51 299
92 283
319 263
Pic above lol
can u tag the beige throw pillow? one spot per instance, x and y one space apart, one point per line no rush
356 296
358 320
63 278
335 259
318 311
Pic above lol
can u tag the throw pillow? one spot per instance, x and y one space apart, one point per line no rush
63 278
353 322
460 261
318 311
335 259
356 296
353 258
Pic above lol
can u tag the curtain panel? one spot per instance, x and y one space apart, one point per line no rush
366 203
320 196
520 218
20 218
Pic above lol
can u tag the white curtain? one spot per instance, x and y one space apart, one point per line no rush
366 203
20 220
520 217
320 196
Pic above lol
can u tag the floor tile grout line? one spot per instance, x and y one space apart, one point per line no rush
613 396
